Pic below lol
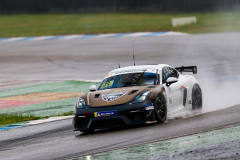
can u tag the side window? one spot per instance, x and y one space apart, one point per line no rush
174 73
165 74
168 72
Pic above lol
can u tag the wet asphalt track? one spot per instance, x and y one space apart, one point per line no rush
56 140
26 63
216 55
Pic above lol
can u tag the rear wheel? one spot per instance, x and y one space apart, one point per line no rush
161 108
196 97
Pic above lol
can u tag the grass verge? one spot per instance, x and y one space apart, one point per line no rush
13 118
95 23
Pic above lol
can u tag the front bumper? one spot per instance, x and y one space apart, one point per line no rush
127 114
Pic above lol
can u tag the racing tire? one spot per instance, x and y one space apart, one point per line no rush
160 106
196 98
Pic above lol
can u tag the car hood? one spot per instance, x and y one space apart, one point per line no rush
117 96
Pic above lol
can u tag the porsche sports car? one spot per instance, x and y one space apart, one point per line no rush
138 95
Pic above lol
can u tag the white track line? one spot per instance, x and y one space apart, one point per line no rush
41 38
82 36
51 119
13 39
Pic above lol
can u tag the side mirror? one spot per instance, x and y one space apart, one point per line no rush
171 80
93 88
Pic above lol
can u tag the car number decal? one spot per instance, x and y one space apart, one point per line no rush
105 113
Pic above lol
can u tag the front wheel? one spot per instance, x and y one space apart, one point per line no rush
161 108
196 97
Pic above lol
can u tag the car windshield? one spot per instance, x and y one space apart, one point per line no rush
130 79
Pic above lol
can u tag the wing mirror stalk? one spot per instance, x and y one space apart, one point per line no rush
171 80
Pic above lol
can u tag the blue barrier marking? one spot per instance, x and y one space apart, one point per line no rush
87 36
27 39
154 34
55 37
3 39
136 34
119 35
11 127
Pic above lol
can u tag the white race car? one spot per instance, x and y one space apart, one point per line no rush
136 95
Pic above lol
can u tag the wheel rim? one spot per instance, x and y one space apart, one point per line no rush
161 107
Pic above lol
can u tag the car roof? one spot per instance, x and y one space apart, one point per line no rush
157 66
132 69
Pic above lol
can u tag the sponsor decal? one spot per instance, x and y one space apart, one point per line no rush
182 87
113 96
113 73
149 108
170 101
147 105
128 71
107 84
169 92
105 113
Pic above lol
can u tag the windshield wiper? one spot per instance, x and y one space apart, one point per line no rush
139 77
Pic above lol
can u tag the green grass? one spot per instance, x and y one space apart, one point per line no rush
67 113
13 118
95 23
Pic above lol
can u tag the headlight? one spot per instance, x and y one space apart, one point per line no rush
81 103
142 97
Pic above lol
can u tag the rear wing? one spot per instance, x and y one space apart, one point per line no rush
192 69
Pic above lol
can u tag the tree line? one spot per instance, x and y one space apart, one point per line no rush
86 6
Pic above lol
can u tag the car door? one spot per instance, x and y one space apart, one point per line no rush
174 92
